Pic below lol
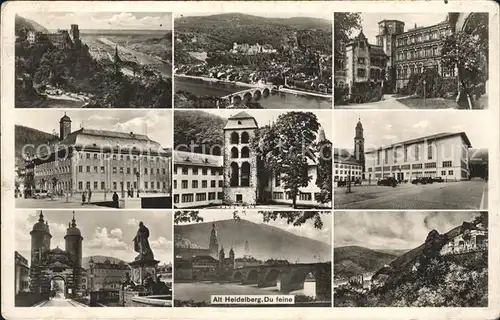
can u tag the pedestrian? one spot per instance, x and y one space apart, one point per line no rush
90 194
115 199
83 198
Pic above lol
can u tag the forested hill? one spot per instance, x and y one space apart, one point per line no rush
29 136
199 127
23 23
219 32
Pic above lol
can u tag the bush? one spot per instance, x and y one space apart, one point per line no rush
340 95
366 92
435 85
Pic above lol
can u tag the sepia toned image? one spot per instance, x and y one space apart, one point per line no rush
411 160
93 259
266 60
238 258
411 259
119 159
411 60
93 59
240 159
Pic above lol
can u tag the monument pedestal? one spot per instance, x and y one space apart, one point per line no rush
141 268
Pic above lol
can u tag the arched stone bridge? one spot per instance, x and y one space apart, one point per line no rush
256 93
287 277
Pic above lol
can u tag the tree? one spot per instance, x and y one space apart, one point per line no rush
343 25
285 148
187 216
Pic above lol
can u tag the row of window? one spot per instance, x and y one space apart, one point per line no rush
195 184
418 53
420 173
430 150
302 196
124 185
245 152
427 36
347 166
235 137
407 72
96 155
354 173
121 170
190 197
195 170
428 165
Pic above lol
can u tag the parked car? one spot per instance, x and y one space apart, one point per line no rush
422 180
389 181
438 179
40 194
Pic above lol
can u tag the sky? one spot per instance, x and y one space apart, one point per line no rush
305 230
369 21
102 20
382 128
263 117
156 123
393 229
267 14
108 233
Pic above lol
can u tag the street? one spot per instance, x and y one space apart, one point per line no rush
445 195
59 203
61 302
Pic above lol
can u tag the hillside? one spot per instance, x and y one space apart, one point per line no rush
353 260
199 127
23 23
265 241
85 260
26 136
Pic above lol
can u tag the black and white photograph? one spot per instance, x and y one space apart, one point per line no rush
93 59
266 60
86 258
431 60
252 258
87 159
411 160
410 259
239 159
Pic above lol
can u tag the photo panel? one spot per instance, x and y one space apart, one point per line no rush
411 160
432 60
83 258
411 259
274 60
105 159
252 159
93 59
249 258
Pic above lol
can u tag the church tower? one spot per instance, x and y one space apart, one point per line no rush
213 246
64 127
359 146
231 256
73 239
240 161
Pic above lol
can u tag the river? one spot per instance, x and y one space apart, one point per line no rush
277 100
201 291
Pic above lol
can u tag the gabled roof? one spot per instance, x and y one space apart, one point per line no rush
241 115
197 159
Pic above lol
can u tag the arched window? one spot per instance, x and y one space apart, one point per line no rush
234 152
245 152
216 151
235 138
235 175
245 137
245 174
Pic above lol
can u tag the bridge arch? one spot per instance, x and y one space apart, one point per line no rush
257 94
237 99
273 275
238 276
253 275
247 96
266 92
58 286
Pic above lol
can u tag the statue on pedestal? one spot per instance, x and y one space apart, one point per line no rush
141 244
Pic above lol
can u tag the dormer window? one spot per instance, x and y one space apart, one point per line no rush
239 122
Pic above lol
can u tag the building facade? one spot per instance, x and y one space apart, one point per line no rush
204 180
472 237
101 161
442 155
22 273
48 265
351 166
106 274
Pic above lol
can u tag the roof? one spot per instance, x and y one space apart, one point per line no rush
377 50
241 115
344 156
197 159
436 136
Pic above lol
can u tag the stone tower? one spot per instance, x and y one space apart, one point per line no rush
75 32
73 240
40 240
40 244
359 146
240 161
387 31
221 257
231 256
64 127
213 247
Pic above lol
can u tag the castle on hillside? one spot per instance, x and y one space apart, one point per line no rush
49 265
61 38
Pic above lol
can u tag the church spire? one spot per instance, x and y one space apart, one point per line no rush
40 217
73 221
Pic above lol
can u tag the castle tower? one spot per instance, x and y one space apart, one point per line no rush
359 146
387 31
64 127
221 257
240 161
231 256
74 32
40 240
40 244
73 240
213 246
